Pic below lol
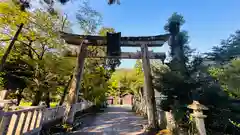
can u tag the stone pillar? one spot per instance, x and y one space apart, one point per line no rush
171 122
3 94
198 116
5 121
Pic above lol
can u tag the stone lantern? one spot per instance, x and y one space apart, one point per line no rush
198 116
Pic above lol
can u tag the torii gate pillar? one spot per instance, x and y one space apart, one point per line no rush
75 85
148 90
144 42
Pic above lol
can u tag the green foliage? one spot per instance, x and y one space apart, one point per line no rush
2 81
94 85
228 77
24 103
175 17
127 81
186 80
174 79
138 67
103 31
97 72
11 14
179 50
227 50
35 63
235 123
88 18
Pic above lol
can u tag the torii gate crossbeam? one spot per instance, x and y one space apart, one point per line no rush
144 42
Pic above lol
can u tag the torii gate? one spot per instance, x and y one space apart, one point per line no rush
143 41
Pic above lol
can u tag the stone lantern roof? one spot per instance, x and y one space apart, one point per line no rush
197 106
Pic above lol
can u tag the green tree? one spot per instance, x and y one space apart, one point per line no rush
178 79
179 76
97 68
125 81
137 85
88 18
228 77
15 15
38 44
227 50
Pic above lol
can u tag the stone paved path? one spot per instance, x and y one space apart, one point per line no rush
115 120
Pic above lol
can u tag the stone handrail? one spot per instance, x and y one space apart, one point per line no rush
51 114
21 121
82 106
29 121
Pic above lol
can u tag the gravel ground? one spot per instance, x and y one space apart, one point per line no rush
115 120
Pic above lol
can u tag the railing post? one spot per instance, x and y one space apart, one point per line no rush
28 121
198 116
3 94
40 118
57 112
5 121
14 123
34 119
21 124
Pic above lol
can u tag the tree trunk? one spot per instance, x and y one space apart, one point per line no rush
19 96
4 57
47 99
65 91
37 98
75 85
149 91
177 54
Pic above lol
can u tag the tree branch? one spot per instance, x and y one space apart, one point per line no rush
43 51
64 21
44 28
30 48
2 40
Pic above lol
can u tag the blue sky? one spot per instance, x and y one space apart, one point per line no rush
207 21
